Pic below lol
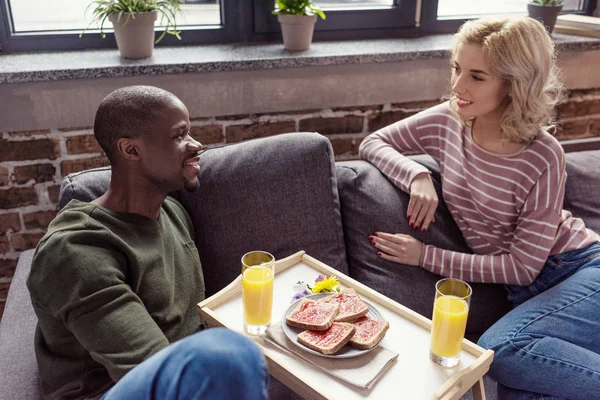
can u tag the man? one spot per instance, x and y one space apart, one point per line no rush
115 281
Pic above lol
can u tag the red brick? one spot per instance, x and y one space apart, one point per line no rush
83 144
207 134
7 267
37 172
573 129
29 149
4 291
416 105
236 133
39 220
342 145
89 128
572 109
359 108
17 197
53 192
69 166
30 133
297 112
3 176
235 117
4 244
381 120
8 222
330 126
595 127
25 241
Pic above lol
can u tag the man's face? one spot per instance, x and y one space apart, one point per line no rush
169 154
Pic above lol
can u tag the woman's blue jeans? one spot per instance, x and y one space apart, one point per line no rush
213 364
548 346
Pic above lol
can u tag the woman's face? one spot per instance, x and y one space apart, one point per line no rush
477 92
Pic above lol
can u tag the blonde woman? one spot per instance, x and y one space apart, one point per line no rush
503 179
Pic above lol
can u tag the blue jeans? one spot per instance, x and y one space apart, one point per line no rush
213 364
548 346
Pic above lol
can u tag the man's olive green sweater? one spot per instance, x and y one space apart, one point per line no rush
110 289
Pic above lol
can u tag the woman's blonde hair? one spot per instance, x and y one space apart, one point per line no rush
520 52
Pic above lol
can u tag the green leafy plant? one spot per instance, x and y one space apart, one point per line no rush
167 9
298 7
547 2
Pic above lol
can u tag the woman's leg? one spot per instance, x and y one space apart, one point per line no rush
213 364
551 343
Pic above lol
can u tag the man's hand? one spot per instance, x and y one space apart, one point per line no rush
423 202
403 249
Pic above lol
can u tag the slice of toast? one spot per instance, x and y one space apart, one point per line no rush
369 332
329 341
310 314
351 306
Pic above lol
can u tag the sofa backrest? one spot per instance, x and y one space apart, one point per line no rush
276 194
582 191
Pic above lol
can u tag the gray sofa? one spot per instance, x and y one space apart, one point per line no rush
282 194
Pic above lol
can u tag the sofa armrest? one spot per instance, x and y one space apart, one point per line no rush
18 365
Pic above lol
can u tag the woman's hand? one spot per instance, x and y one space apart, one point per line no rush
403 249
423 202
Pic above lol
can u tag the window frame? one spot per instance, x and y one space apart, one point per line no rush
430 24
398 20
233 16
252 21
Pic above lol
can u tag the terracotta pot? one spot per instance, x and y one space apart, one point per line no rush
135 38
545 14
297 30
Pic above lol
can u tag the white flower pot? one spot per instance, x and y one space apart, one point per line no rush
297 30
135 37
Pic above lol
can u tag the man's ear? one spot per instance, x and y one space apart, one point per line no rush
128 149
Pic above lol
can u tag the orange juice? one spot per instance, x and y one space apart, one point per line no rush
257 295
448 325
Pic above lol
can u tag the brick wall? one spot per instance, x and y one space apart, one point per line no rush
33 163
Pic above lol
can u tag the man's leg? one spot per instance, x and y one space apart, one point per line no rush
213 364
550 343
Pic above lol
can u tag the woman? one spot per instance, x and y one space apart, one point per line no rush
503 179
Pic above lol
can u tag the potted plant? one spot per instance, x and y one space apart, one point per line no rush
297 19
133 22
545 11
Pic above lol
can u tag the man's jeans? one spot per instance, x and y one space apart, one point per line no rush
213 364
550 343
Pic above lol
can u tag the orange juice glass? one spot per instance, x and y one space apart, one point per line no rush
449 321
258 273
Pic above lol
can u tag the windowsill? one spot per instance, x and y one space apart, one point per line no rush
92 64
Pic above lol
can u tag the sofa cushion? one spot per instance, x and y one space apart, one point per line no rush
276 194
18 366
583 183
370 203
84 186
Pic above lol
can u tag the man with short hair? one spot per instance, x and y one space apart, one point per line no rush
114 282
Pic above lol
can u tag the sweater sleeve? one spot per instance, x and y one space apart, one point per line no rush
419 133
100 309
532 242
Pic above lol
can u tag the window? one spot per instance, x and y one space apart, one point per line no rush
448 15
56 24
348 19
27 25
60 15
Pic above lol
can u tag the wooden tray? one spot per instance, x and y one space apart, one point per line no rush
413 375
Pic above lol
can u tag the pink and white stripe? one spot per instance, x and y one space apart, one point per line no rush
508 207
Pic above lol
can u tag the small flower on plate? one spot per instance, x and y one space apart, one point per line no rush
326 284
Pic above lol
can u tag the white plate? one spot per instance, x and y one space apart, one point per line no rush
345 352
